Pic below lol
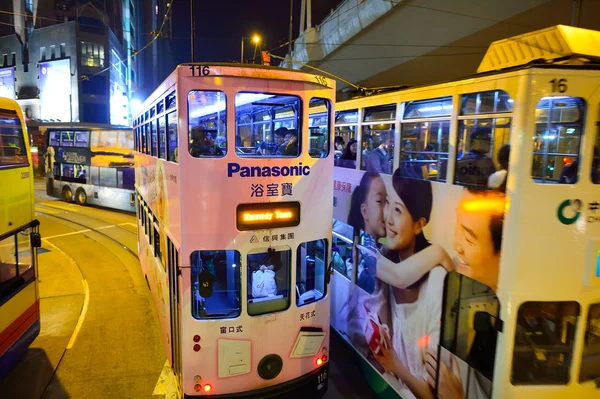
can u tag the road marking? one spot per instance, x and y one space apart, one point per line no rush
68 234
56 206
86 301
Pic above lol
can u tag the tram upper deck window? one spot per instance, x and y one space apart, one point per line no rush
172 138
154 136
595 173
160 107
215 284
268 125
342 248
590 360
12 143
544 341
470 315
377 141
558 131
482 150
170 100
311 267
424 140
269 280
319 127
162 137
207 118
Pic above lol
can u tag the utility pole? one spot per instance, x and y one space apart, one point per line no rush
291 15
576 14
193 29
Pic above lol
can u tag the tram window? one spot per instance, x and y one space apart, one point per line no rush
160 107
341 248
82 139
482 152
278 119
148 143
558 131
590 360
381 158
487 102
207 115
544 341
269 280
346 117
66 139
319 127
16 267
170 100
162 135
172 138
311 258
12 143
343 136
470 316
424 150
595 173
54 138
215 284
432 108
157 247
154 137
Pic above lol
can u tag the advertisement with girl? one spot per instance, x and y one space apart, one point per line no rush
409 237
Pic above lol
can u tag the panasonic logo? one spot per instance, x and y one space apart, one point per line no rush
267 171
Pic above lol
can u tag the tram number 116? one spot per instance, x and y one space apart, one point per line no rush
558 85
198 70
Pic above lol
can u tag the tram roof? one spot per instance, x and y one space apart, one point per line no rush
555 43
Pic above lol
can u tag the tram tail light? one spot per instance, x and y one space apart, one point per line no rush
319 361
197 387
207 388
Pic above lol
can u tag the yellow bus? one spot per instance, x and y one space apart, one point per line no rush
19 238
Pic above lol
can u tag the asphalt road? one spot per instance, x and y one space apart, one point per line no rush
99 331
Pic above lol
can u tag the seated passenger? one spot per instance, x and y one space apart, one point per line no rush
348 158
474 168
497 180
339 146
202 143
290 146
279 135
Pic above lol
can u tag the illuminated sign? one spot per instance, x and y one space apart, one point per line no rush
598 264
55 90
268 215
7 83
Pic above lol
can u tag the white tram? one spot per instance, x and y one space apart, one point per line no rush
443 179
234 202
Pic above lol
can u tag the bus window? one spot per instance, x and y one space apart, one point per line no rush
378 129
94 175
215 284
154 138
172 138
66 139
319 127
311 267
162 138
268 125
207 118
108 177
54 138
595 173
269 281
341 248
590 360
544 341
558 131
482 149
470 316
12 144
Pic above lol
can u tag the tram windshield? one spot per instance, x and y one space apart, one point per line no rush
268 125
269 280
215 284
12 144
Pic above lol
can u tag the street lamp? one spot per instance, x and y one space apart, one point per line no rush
255 40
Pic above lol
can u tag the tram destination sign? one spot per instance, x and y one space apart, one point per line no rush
269 215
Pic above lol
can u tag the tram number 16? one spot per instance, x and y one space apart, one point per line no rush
198 70
559 85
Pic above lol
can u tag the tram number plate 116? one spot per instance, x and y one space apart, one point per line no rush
321 378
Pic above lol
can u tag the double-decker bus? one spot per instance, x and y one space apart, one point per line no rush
466 234
234 203
91 165
19 238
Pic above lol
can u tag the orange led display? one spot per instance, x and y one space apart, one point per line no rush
268 215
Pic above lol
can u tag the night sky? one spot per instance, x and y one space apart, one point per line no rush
220 26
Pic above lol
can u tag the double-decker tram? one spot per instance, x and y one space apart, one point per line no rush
234 203
91 164
466 231
19 238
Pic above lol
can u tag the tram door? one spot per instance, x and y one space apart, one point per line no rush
174 274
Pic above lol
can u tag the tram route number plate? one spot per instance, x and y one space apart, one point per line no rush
321 378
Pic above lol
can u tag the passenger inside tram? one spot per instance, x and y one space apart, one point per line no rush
269 280
475 167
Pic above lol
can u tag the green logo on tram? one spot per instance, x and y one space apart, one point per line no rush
569 211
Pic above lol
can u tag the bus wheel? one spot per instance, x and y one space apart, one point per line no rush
81 197
67 194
